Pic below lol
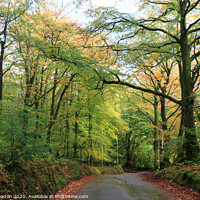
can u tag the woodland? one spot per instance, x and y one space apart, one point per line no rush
123 89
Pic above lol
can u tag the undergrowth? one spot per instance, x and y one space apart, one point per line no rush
45 177
186 175
39 177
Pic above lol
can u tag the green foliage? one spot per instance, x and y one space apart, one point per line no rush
137 139
6 181
15 144
39 177
187 175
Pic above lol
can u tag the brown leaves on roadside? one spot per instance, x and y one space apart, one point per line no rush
180 192
73 186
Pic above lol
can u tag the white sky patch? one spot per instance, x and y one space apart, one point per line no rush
125 6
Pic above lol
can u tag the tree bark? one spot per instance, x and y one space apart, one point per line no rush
3 43
1 70
128 155
69 100
180 150
52 108
191 145
76 131
156 120
117 149
166 138
90 158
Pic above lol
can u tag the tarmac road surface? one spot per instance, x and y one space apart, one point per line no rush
122 187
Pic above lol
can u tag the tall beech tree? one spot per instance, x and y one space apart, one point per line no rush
172 28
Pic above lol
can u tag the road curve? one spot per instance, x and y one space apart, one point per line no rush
122 187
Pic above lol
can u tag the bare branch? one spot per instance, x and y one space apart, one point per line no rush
191 25
194 6
195 55
172 114
152 29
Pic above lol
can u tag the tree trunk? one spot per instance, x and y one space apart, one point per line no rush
102 152
128 155
76 130
38 102
3 43
66 145
117 149
54 112
29 86
156 120
90 157
191 145
166 138
180 150
52 108
69 100
1 69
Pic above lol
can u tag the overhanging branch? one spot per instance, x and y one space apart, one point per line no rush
143 89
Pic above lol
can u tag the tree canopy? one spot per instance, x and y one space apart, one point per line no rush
123 88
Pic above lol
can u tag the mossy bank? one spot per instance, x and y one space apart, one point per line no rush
186 175
45 177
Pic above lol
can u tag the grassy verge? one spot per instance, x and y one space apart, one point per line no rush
186 175
106 170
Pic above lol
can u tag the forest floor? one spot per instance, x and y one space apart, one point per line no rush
179 192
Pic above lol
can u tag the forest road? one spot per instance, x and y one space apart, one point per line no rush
122 187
